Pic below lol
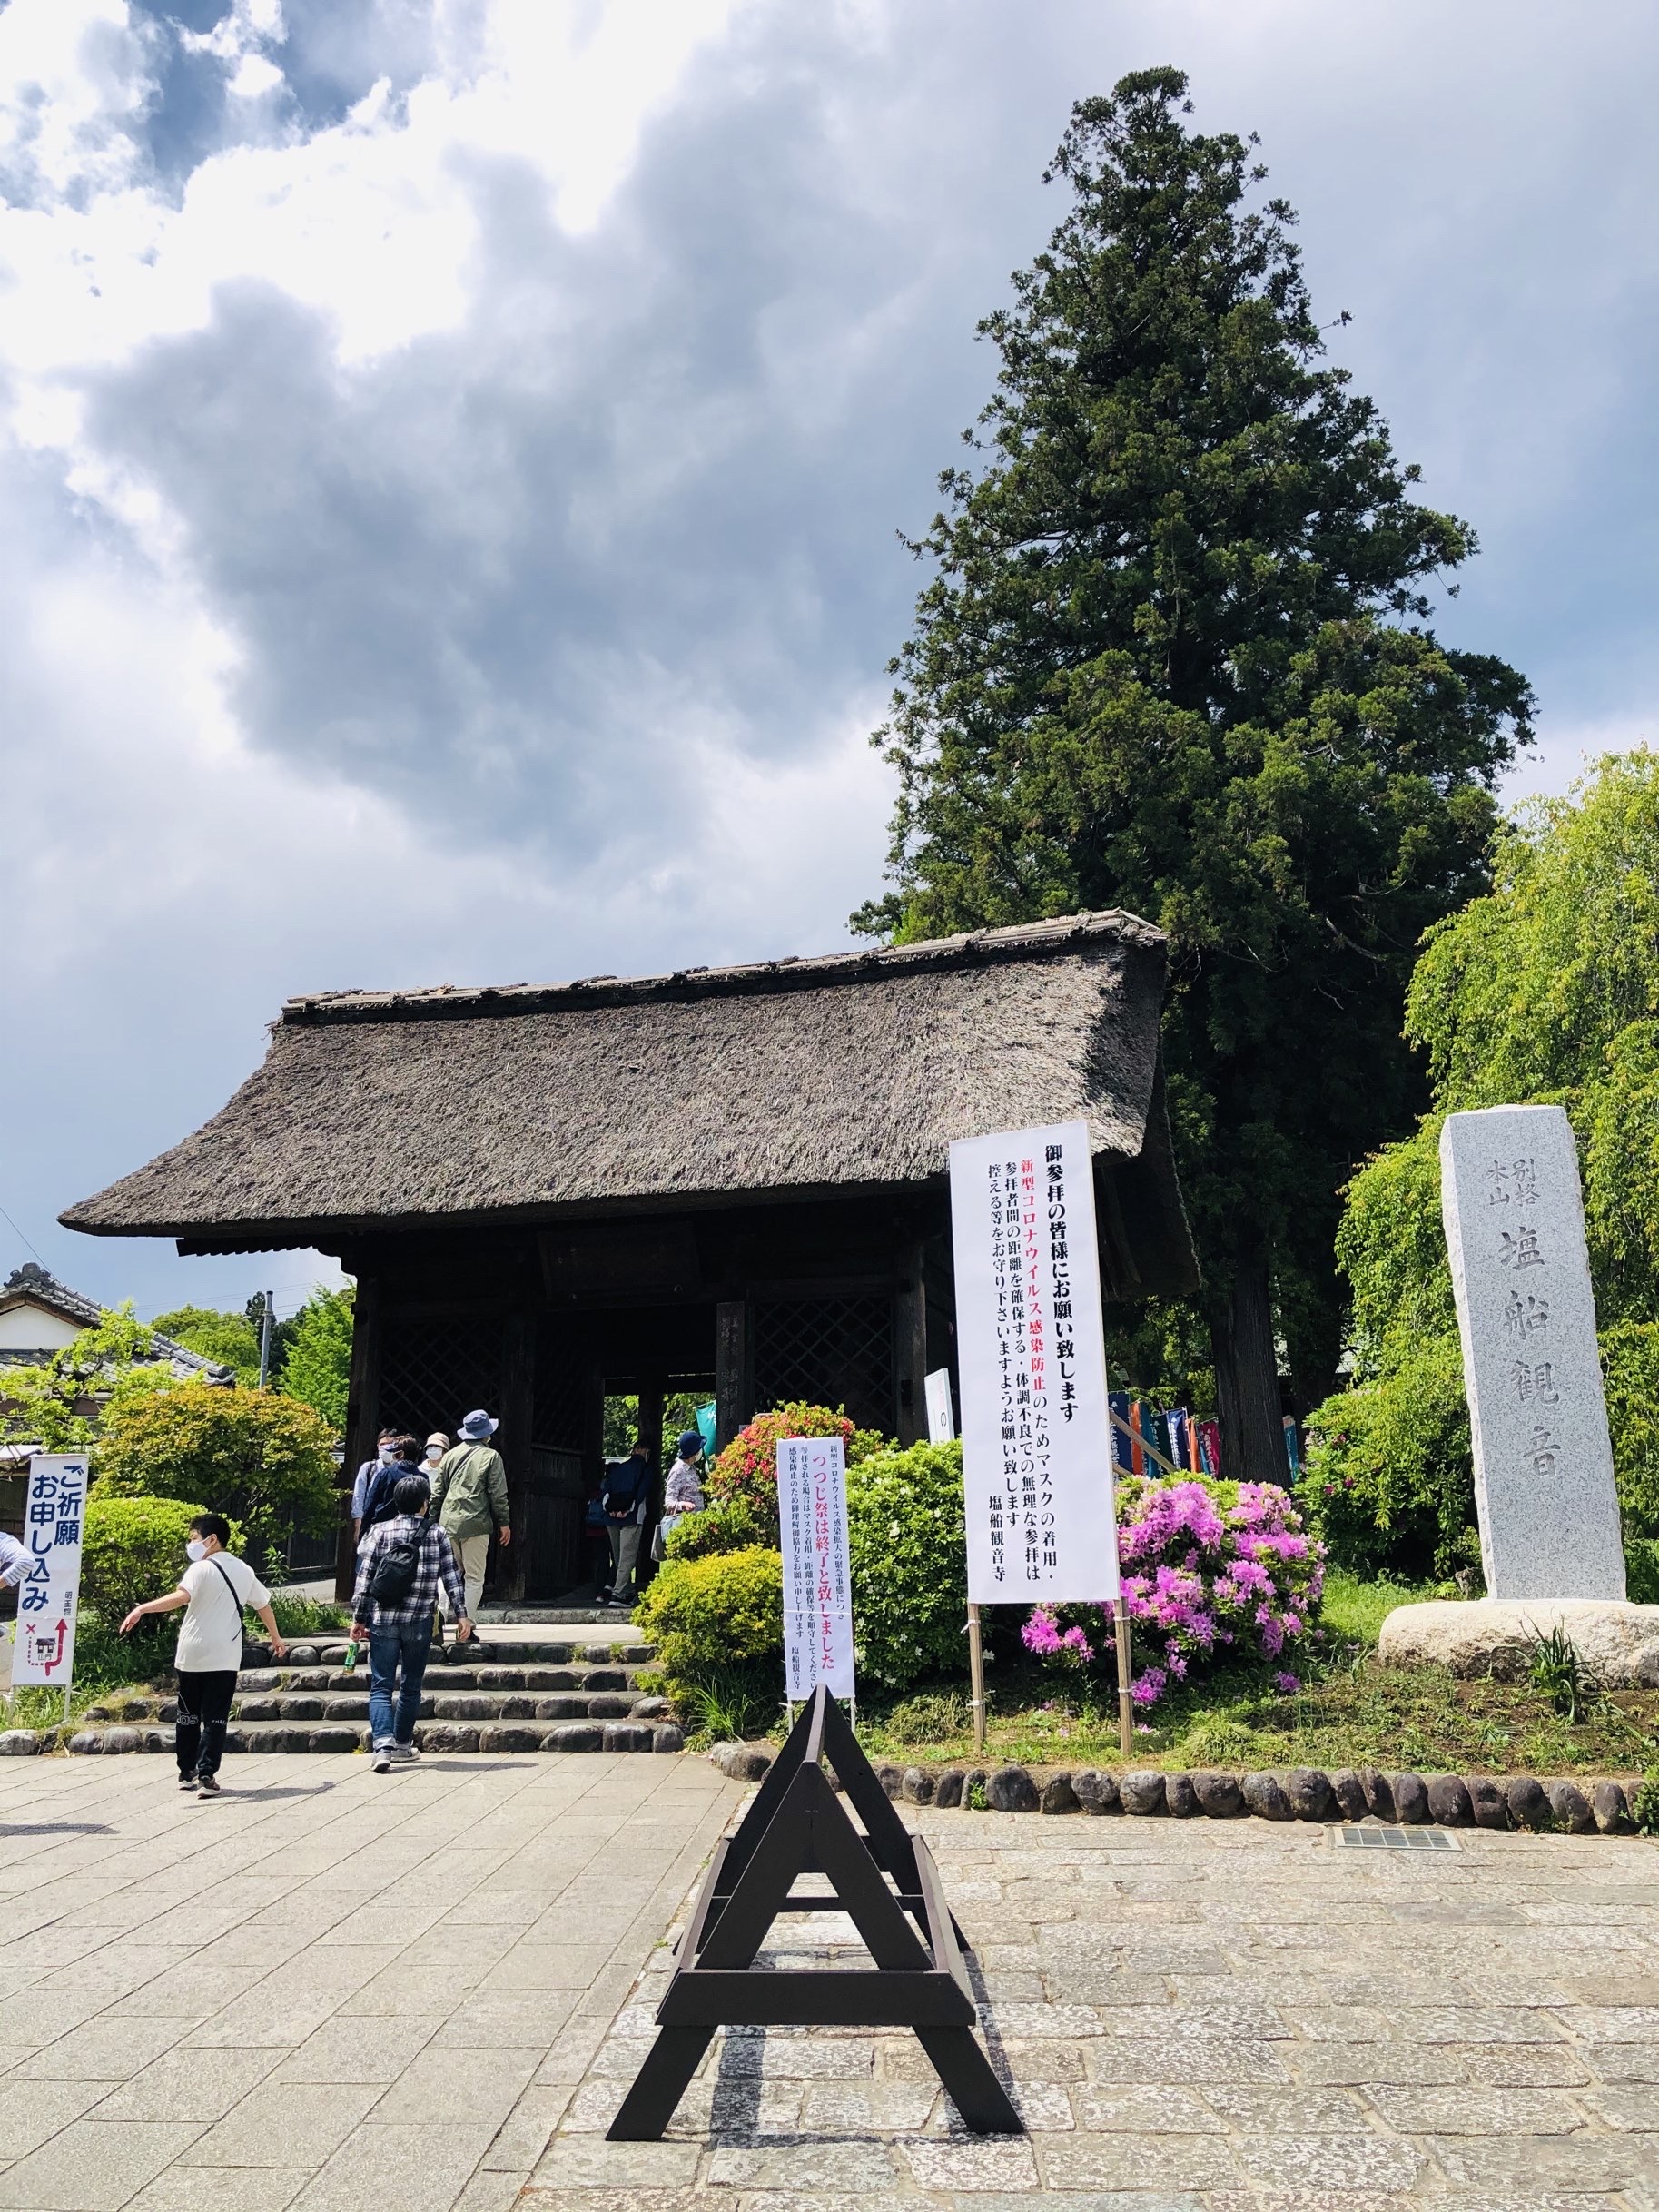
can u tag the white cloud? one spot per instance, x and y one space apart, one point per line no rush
459 440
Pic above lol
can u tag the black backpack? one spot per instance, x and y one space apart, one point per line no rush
624 1480
395 1570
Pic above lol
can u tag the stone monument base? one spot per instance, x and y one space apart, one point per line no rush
1618 1643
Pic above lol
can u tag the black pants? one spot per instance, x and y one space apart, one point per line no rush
204 1707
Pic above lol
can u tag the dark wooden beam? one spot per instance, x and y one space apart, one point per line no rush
362 1420
734 1369
515 1569
910 1345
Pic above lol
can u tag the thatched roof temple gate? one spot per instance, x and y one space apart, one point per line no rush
724 1180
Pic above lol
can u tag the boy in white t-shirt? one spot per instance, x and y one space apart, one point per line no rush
213 1589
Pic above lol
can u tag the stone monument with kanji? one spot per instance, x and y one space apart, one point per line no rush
1550 1541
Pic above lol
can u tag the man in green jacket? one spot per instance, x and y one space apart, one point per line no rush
469 1501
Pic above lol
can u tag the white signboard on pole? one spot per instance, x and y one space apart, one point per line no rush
1031 1363
941 1412
43 1651
812 1506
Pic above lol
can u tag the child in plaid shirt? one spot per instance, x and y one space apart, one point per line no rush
400 1632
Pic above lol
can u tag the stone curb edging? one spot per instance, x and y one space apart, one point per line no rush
432 1736
1516 1801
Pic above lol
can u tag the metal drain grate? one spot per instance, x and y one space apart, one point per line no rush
1379 1838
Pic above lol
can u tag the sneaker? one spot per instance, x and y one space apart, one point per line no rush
207 1785
405 1754
188 1782
382 1759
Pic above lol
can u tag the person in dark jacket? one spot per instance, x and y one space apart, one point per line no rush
626 1496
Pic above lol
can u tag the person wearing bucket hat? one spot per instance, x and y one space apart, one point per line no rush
682 1492
469 1501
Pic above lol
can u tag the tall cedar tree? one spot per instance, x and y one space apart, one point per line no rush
1174 659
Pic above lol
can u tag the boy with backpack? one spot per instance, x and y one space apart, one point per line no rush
402 1562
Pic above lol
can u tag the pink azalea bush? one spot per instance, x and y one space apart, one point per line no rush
1210 1570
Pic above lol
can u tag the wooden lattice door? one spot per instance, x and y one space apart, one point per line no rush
433 1372
829 1351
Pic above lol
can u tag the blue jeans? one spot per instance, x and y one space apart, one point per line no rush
397 1645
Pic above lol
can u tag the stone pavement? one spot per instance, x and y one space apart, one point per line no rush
330 1990
1238 2018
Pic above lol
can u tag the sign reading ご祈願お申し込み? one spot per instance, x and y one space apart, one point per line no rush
49 1594
1032 1365
812 1506
1515 1232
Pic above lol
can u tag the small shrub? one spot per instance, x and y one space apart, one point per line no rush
977 1802
1557 1674
933 1718
258 1457
732 1526
719 1621
1210 1570
1644 1803
746 1469
134 1549
726 1708
910 1574
301 1617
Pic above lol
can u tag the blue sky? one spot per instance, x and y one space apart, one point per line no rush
451 453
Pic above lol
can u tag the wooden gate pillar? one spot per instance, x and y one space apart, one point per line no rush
515 1569
362 1422
734 1369
910 1345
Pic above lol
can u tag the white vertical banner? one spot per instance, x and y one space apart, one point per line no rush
1031 1363
43 1651
941 1410
812 1508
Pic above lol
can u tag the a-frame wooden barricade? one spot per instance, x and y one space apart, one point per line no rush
798 1825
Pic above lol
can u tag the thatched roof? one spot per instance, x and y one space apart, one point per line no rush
792 1078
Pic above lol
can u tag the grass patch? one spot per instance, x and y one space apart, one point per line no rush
1353 1712
1354 1611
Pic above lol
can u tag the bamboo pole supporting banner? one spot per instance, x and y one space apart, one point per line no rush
976 1673
1126 1710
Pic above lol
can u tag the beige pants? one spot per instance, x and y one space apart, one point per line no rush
473 1553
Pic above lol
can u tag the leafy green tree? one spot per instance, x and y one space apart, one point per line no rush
316 1366
1544 991
62 1404
259 1458
1174 658
230 1339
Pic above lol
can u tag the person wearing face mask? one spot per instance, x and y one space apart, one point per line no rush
213 1590
386 1451
437 1444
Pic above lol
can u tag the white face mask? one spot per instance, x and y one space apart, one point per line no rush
196 1548
434 1451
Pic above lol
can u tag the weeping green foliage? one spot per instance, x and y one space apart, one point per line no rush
1544 991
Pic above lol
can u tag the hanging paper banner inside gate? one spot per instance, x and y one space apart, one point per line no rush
812 1506
941 1411
1031 1365
43 1651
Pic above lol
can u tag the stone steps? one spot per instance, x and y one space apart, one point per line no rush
517 1697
